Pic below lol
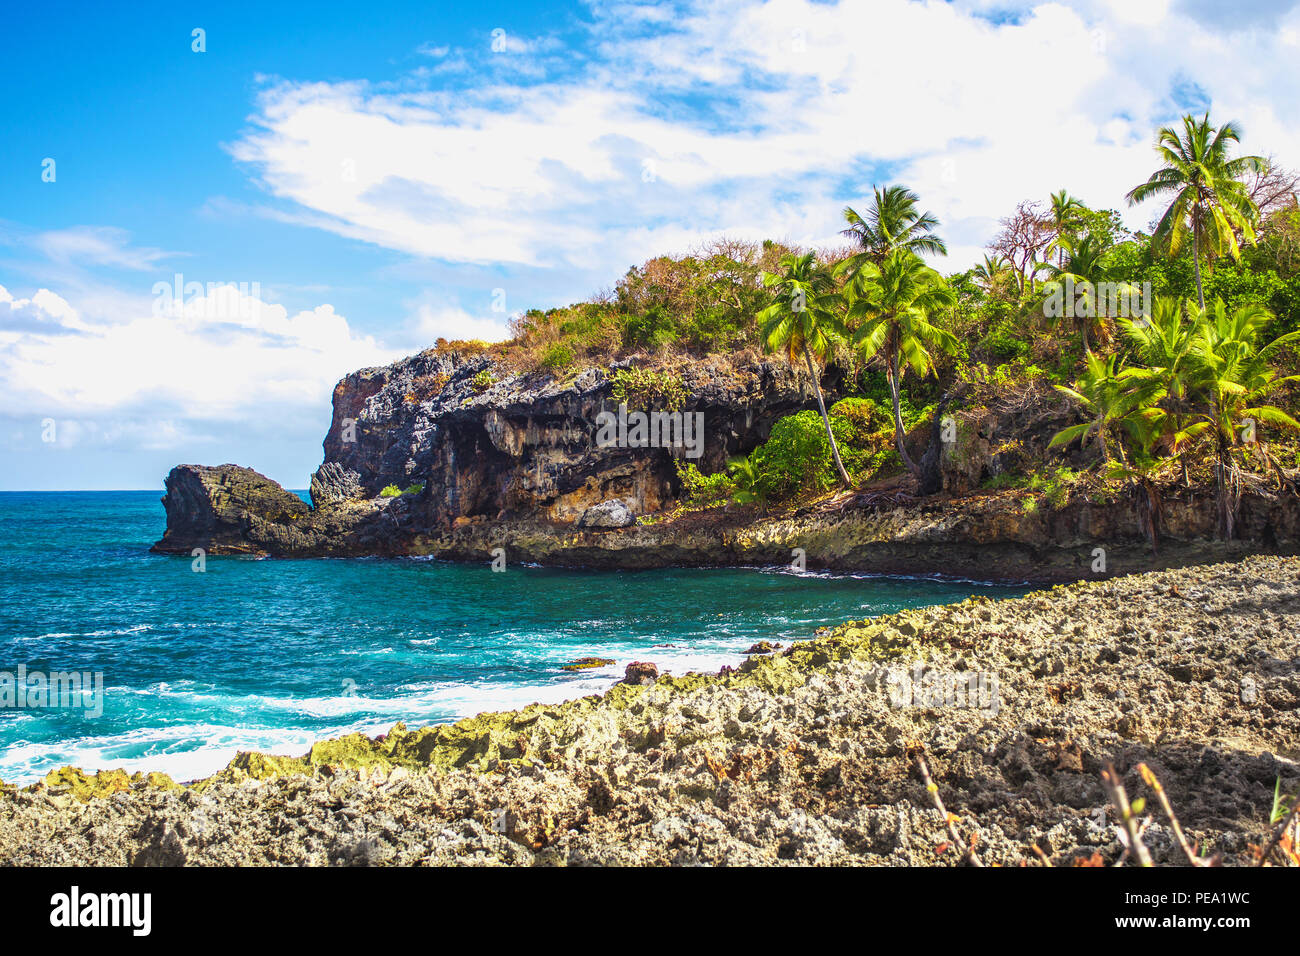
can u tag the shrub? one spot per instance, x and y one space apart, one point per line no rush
797 455
645 390
704 491
392 491
862 412
557 357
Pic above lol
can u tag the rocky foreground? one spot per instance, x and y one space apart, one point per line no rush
808 756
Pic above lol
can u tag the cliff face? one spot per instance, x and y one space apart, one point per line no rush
526 446
522 448
515 463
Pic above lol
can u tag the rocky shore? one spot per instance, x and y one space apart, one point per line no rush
805 756
445 454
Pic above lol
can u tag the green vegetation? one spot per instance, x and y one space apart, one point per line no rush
645 390
392 491
1175 350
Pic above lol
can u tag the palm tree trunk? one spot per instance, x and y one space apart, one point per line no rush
821 407
894 374
1196 260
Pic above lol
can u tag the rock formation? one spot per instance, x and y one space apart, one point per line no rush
483 464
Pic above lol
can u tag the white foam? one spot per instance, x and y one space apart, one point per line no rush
26 762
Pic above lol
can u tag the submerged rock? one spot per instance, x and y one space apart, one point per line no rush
587 663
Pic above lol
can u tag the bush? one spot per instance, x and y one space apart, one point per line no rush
557 357
797 455
704 491
644 390
392 491
862 412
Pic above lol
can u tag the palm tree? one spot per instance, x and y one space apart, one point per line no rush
1113 396
744 472
1163 342
990 272
892 222
1210 202
801 321
894 302
1084 263
1234 379
1065 212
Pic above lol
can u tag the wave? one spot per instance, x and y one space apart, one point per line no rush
173 750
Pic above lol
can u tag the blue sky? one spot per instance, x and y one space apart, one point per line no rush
371 175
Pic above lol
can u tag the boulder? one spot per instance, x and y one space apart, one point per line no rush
640 672
608 514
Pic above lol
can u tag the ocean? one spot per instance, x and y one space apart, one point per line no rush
273 654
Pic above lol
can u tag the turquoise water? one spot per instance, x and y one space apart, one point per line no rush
274 654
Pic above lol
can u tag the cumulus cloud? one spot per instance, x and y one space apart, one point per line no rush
175 371
763 120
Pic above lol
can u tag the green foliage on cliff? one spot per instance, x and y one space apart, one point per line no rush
894 327
647 390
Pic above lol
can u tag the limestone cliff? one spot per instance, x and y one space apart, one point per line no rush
514 463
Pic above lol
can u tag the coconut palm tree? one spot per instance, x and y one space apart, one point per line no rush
803 321
1065 213
1234 379
893 305
1113 396
990 272
1163 342
1084 263
1210 202
892 222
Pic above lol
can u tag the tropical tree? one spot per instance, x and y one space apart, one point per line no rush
1163 342
803 321
1084 264
991 272
893 305
892 222
1065 215
1112 396
744 472
1210 202
1234 379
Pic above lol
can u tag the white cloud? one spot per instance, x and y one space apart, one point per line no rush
97 245
433 322
763 119
152 376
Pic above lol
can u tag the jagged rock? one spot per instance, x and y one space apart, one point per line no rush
640 672
763 647
516 465
229 509
526 447
333 483
607 514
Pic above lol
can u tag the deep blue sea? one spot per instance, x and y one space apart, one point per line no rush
273 654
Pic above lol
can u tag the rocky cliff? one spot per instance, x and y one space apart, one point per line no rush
470 445
514 463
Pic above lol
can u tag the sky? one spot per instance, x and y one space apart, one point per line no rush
210 213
